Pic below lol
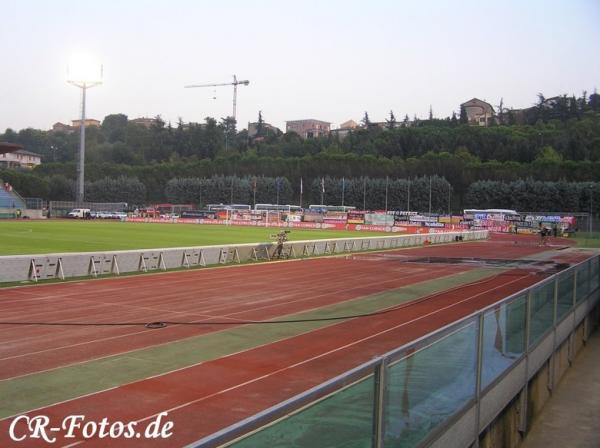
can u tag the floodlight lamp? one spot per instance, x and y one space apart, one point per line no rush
83 69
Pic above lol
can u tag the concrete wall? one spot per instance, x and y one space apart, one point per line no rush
65 265
31 213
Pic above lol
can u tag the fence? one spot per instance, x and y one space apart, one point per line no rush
34 203
440 390
50 266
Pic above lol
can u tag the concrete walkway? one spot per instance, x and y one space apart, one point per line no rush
571 418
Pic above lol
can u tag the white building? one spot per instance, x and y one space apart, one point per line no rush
14 156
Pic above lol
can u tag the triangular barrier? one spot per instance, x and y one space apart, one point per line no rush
292 253
33 271
161 262
92 268
223 255
114 266
142 264
185 259
59 270
201 260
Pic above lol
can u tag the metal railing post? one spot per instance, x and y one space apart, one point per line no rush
571 342
380 377
552 361
523 398
478 371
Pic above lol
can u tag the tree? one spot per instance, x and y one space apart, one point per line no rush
501 111
453 120
365 121
594 102
463 119
227 126
260 125
391 122
114 127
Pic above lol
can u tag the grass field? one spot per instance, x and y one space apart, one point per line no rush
39 237
587 239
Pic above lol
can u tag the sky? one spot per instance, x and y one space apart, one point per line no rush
328 60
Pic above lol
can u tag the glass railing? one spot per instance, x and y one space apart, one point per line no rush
415 392
344 418
428 385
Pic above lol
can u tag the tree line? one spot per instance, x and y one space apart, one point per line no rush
377 193
532 195
568 125
556 139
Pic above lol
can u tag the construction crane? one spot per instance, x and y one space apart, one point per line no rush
235 83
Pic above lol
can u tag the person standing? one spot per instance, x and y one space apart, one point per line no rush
281 239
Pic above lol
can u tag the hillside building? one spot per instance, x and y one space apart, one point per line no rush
308 128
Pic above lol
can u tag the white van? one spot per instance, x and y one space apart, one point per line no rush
78 213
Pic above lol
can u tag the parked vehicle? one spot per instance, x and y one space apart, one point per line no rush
79 213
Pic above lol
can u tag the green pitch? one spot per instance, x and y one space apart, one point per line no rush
587 239
39 237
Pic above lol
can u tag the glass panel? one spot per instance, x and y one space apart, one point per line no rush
595 274
583 277
503 338
542 311
342 419
430 385
566 282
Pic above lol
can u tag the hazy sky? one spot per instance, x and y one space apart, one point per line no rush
329 60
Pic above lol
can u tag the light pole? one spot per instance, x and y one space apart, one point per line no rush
591 209
408 196
53 148
430 182
84 80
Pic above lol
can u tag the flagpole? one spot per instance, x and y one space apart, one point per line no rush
364 193
430 182
343 188
301 188
387 180
322 190
408 197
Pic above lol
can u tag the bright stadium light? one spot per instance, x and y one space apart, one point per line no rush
85 73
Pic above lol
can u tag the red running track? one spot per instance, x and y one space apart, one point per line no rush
209 396
258 292
245 293
204 398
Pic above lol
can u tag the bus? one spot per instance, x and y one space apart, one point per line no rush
330 208
497 214
199 214
277 208
221 207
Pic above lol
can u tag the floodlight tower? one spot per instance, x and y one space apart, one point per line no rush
84 81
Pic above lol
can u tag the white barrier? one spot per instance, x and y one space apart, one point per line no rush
81 264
